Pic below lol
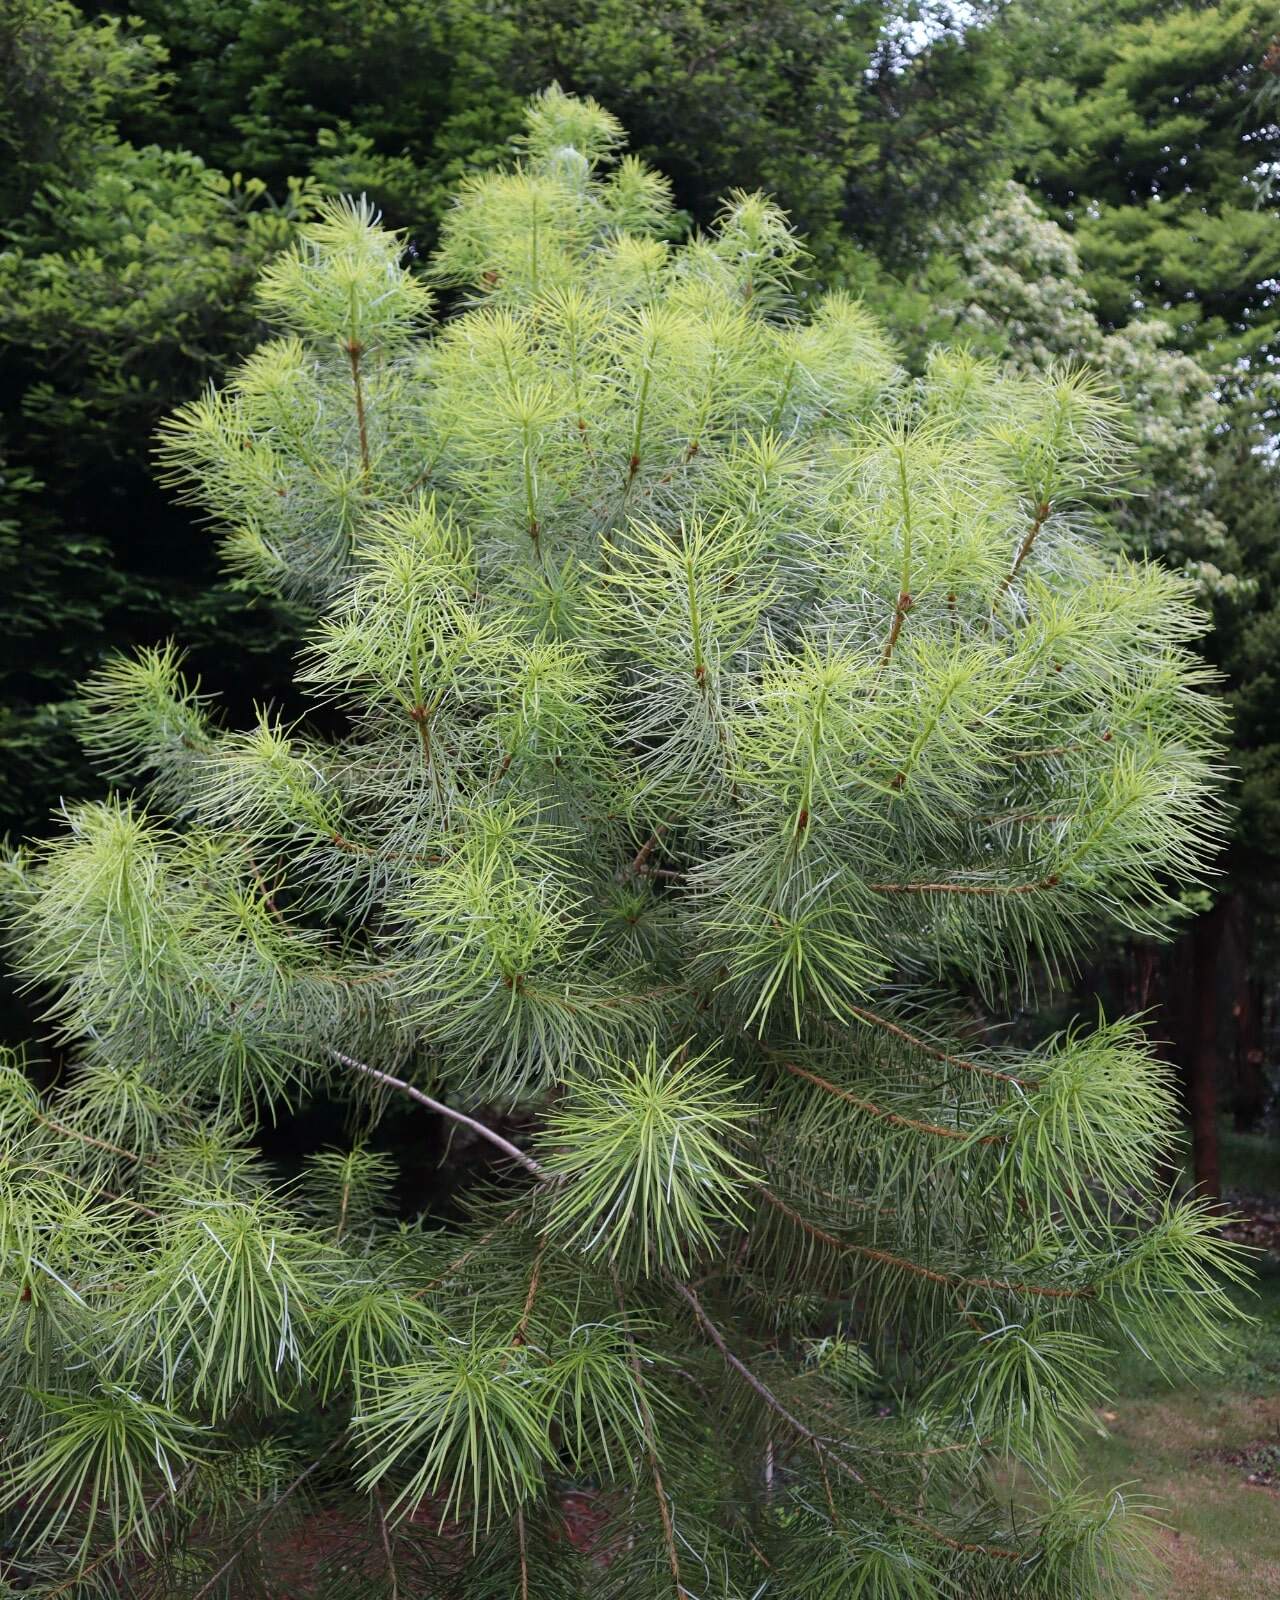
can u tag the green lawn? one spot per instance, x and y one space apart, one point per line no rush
1193 1447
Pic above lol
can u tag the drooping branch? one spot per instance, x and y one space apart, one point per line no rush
1036 887
887 1023
61 1128
443 1110
651 1445
266 1516
171 1491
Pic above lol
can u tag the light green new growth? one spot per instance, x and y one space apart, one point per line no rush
698 701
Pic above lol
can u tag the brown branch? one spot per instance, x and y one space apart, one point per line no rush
903 605
895 1117
647 849
939 1055
524 1554
999 819
90 1189
472 1250
1048 750
522 1327
386 1548
950 1280
354 352
268 897
108 1555
351 847
266 1517
1040 884
85 1138
443 1110
651 1449
1024 549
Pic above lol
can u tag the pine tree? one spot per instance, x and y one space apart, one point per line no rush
708 722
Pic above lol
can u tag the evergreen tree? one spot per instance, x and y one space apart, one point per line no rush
699 704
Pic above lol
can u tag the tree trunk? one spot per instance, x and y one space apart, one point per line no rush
1203 1066
1250 1098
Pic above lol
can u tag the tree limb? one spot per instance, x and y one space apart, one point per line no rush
443 1110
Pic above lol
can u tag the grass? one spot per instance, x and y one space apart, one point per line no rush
1194 1447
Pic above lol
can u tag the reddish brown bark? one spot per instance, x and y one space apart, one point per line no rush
1250 1098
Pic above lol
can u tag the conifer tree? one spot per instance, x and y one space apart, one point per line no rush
705 715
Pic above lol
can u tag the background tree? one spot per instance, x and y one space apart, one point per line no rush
1154 140
1202 492
1150 136
125 276
705 701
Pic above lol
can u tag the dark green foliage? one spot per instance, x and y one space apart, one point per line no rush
396 97
1151 137
135 218
124 281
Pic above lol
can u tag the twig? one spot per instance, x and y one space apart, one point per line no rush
107 1194
895 1117
1051 882
646 1420
386 1548
1024 549
460 1261
85 1138
354 351
107 1555
901 607
647 849
524 1555
522 1327
939 1055
443 1110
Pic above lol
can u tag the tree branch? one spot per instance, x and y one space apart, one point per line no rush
261 1522
927 1049
651 1448
1024 549
895 1117
1051 882
949 1280
443 1110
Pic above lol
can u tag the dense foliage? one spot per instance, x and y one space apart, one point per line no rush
698 701
1152 133
125 277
